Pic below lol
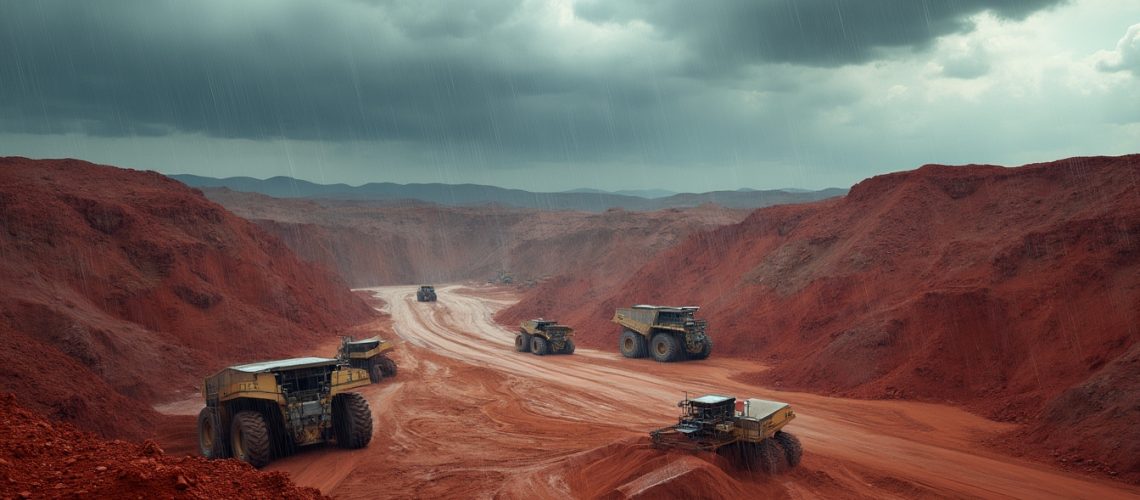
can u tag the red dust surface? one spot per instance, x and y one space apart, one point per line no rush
1014 292
121 288
42 459
631 468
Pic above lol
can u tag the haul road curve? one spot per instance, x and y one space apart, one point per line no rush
470 417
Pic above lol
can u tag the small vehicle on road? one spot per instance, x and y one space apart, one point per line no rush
370 355
544 336
426 293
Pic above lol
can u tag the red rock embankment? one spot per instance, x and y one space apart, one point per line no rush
45 459
1014 292
121 288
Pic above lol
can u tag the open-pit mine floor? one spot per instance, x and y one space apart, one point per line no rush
468 417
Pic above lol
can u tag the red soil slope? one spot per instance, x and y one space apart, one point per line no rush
41 459
373 244
996 288
632 469
122 287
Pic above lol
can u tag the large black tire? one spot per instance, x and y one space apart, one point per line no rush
793 450
665 347
375 373
736 454
387 366
539 346
771 456
522 342
631 344
567 347
352 420
249 438
706 349
212 441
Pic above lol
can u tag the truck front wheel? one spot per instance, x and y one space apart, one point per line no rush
352 420
249 438
706 349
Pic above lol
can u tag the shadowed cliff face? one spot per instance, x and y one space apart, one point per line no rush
378 244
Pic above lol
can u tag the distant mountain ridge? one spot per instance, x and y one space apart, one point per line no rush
476 194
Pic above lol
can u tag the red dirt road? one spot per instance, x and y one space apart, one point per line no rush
469 417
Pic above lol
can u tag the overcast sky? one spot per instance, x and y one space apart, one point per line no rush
552 95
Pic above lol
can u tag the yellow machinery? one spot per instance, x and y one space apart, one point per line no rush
368 355
750 431
666 333
544 336
260 411
426 293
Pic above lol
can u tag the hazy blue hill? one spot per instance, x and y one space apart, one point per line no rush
475 194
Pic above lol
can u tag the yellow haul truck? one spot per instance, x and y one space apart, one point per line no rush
666 333
749 432
368 355
261 411
544 336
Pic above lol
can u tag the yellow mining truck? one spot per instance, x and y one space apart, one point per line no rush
666 333
544 336
748 432
260 411
426 293
369 355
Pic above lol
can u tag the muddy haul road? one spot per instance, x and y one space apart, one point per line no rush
468 417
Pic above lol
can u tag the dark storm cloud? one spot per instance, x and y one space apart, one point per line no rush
476 74
123 68
808 32
444 75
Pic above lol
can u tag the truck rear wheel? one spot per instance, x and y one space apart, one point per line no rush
665 348
567 347
740 454
772 457
522 342
352 420
793 450
631 344
249 438
538 346
211 436
375 374
387 366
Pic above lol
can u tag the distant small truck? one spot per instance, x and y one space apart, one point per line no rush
544 336
260 411
748 432
666 333
426 293
369 355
